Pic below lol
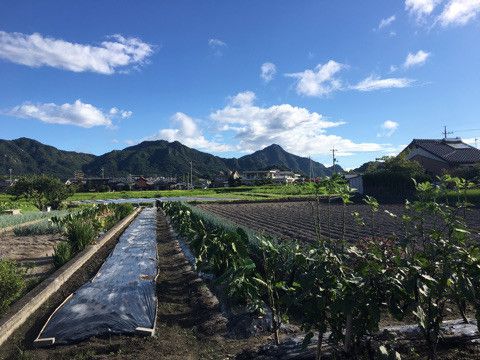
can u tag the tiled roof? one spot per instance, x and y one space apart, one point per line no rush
451 150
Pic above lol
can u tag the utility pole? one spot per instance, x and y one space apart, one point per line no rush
476 143
333 160
446 133
103 172
10 170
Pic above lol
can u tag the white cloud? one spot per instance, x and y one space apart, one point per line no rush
296 129
373 82
459 12
215 43
124 114
421 8
416 59
386 22
35 50
268 71
188 133
388 128
320 81
78 114
217 46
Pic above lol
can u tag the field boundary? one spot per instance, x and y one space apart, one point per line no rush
33 300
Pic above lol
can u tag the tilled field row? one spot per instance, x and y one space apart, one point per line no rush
295 220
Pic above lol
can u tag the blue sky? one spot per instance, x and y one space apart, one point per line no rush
230 77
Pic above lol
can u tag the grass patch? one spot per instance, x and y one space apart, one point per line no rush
241 192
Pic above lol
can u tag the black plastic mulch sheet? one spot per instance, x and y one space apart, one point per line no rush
121 298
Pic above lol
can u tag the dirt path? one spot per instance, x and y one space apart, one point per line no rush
190 324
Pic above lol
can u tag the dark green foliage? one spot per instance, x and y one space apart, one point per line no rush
42 191
274 156
80 233
12 283
471 173
171 159
123 210
344 288
391 180
62 254
27 156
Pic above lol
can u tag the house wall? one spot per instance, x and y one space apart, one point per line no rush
430 165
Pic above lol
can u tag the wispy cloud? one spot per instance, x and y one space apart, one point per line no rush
416 59
459 12
35 50
386 22
217 46
268 71
318 82
388 128
374 82
124 114
421 8
454 12
78 114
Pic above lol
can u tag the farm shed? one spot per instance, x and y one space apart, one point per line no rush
437 156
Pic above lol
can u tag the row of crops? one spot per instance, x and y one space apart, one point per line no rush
14 220
430 271
78 229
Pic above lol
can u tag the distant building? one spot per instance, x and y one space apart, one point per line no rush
438 156
273 176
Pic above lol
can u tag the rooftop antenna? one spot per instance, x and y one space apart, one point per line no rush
334 160
446 133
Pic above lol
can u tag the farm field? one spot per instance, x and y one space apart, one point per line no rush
34 252
241 192
190 324
295 220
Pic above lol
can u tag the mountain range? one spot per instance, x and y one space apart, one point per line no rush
160 157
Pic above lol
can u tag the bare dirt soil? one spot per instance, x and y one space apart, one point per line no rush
295 220
190 324
33 252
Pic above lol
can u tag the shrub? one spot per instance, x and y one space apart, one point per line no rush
12 283
123 210
80 233
62 253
